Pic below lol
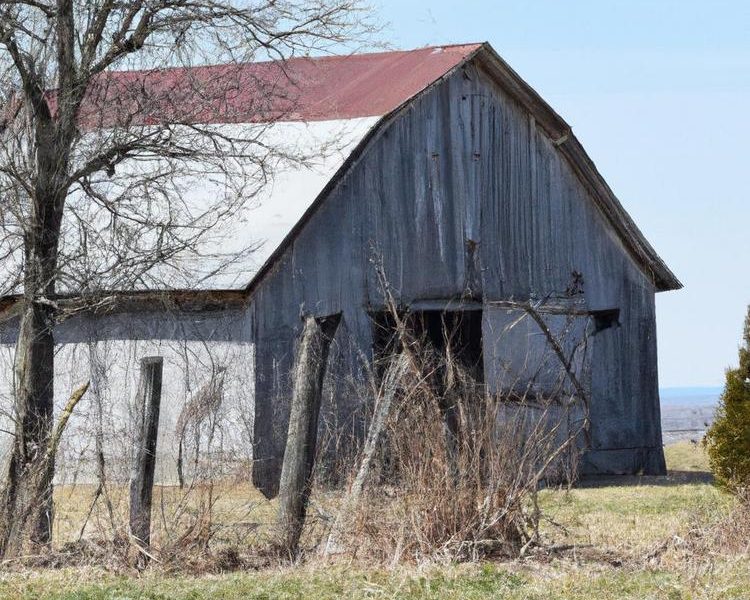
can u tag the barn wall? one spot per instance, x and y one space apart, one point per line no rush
463 195
193 346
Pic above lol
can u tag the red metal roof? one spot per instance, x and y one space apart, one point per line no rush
298 89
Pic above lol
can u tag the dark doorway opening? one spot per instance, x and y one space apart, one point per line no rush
456 331
448 344
459 332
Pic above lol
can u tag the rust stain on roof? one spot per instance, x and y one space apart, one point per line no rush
298 89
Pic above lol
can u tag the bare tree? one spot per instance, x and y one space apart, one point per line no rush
96 166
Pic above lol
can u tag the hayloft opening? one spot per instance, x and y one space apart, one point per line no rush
605 319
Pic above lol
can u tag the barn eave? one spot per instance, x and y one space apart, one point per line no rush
118 301
561 133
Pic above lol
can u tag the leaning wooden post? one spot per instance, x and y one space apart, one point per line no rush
299 455
144 454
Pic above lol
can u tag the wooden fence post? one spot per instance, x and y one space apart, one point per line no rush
144 453
299 455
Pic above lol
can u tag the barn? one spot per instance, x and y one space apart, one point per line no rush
453 179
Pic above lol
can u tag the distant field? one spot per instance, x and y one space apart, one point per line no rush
635 539
687 412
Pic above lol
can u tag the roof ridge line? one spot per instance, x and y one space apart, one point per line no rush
326 57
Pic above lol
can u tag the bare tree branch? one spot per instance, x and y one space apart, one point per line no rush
132 179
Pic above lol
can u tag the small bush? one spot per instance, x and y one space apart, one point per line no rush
728 440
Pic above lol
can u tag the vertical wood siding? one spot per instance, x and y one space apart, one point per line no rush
464 195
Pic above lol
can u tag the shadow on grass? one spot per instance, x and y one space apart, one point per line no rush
670 479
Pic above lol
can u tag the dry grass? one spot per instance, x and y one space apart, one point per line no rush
662 538
237 511
628 519
630 515
686 456
456 496
204 528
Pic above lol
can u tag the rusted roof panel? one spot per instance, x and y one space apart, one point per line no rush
299 89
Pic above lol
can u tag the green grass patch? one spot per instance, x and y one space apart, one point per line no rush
473 582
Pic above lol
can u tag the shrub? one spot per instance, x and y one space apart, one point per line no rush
728 439
458 467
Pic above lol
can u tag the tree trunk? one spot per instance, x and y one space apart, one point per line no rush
296 471
26 512
25 516
144 453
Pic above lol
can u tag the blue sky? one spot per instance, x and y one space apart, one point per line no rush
658 92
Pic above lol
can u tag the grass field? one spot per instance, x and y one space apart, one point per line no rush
632 538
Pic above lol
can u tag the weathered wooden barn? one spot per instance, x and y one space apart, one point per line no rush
462 186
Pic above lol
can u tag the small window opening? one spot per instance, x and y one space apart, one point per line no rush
605 319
